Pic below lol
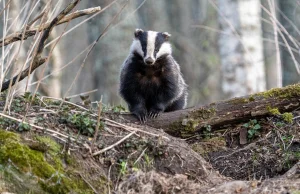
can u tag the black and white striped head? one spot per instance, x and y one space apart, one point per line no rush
151 45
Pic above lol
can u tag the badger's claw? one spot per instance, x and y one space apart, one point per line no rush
141 114
156 109
143 119
153 114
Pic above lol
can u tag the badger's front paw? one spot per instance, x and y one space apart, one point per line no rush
140 113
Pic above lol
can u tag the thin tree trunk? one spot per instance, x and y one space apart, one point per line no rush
273 74
241 47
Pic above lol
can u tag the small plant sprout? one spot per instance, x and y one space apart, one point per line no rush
123 169
253 128
24 127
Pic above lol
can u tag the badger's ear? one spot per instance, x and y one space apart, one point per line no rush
166 35
137 32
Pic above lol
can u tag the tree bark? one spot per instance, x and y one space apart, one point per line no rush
189 121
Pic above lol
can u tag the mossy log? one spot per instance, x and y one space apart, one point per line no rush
277 101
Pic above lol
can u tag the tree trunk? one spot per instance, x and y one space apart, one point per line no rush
241 47
273 73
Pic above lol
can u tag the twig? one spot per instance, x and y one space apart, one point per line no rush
108 179
113 145
6 5
292 140
71 103
134 129
31 32
118 126
239 150
36 126
35 19
84 93
140 156
89 184
280 137
292 172
98 124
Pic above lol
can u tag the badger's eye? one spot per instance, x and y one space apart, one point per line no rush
156 50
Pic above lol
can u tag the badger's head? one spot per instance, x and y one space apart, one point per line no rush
151 45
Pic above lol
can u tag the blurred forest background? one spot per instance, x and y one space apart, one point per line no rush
225 48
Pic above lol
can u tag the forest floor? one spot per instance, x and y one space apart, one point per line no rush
53 150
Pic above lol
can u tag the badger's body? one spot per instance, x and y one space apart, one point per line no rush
151 81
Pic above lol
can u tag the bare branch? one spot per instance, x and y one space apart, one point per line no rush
37 60
32 31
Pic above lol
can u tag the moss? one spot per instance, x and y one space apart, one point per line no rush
238 101
288 117
25 159
189 125
47 170
199 149
288 91
251 98
273 111
53 150
203 113
52 145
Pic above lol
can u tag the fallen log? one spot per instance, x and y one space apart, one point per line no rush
277 101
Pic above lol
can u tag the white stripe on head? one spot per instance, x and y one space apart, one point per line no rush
136 47
151 44
164 49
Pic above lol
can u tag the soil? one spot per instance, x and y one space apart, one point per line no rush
271 154
134 158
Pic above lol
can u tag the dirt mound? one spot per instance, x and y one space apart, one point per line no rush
53 150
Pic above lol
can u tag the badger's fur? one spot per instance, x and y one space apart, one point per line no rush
150 80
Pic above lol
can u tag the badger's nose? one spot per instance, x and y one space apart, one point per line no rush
149 61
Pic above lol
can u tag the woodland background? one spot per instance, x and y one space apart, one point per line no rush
225 48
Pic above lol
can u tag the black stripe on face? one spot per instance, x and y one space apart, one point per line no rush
143 37
160 39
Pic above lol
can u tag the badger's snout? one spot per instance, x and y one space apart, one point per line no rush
149 61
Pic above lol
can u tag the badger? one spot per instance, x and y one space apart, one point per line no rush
150 80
